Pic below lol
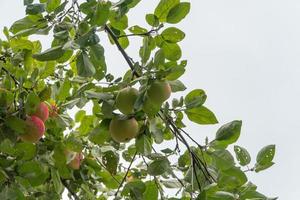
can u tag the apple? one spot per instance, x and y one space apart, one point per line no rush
76 159
123 130
125 100
159 91
35 129
42 111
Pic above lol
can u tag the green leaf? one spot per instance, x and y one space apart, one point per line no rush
177 86
11 193
104 96
152 20
31 103
151 192
45 94
229 133
28 25
117 22
171 183
156 129
86 125
101 14
85 67
201 115
60 161
195 98
16 124
222 195
111 161
26 151
145 50
7 147
34 172
259 167
178 12
265 155
88 39
254 195
223 159
27 2
172 51
50 54
100 134
98 59
143 145
79 115
58 186
52 5
73 143
232 178
34 9
173 35
163 8
242 155
158 167
135 189
64 90
137 30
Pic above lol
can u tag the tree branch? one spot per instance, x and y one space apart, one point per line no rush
73 193
177 132
127 58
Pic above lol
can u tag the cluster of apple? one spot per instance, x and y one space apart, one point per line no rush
123 130
35 127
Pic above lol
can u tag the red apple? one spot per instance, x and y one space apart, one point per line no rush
42 111
76 160
35 129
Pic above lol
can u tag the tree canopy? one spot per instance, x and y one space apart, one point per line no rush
134 145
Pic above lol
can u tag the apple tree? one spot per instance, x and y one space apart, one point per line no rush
134 144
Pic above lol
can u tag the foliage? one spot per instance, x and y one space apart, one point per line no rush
73 73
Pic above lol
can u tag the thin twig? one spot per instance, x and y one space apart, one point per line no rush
160 189
125 176
108 171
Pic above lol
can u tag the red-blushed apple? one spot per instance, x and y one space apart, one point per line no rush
76 159
35 129
42 111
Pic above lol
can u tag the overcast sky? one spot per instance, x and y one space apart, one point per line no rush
246 56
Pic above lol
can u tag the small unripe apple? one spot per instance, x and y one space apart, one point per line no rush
76 159
125 100
35 129
123 130
42 111
159 91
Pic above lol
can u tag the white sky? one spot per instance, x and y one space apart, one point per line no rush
246 55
